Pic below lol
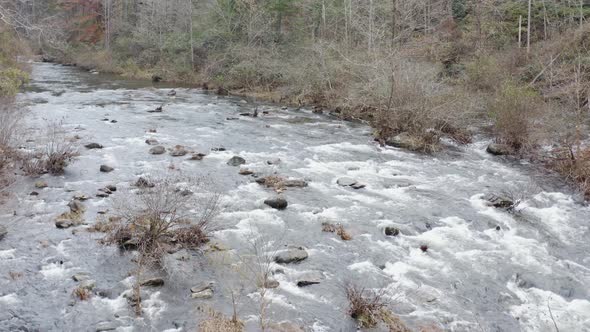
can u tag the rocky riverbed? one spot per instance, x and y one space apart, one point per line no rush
421 227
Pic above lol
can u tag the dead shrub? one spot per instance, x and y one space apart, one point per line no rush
82 293
175 211
338 229
574 165
516 111
365 305
59 151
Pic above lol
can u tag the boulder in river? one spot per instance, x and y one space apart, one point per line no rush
391 231
76 206
271 283
81 276
106 326
310 278
178 151
278 203
294 183
346 181
245 171
151 141
158 150
197 156
3 231
499 149
236 161
93 146
106 168
153 282
40 184
203 291
291 255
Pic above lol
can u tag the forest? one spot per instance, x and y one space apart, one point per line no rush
428 77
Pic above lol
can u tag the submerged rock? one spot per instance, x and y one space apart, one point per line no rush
106 326
236 161
81 276
391 231
292 255
76 206
111 187
40 184
93 146
178 151
277 203
346 181
106 168
153 282
294 183
310 278
197 156
158 150
499 149
151 141
245 171
203 291
501 202
271 283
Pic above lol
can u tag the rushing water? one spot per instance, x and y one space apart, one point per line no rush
530 274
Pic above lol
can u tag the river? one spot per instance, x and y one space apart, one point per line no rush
485 269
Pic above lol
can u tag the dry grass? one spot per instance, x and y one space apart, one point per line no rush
338 229
365 305
575 167
82 294
59 151
217 322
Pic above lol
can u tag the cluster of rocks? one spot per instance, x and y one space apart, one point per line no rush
106 191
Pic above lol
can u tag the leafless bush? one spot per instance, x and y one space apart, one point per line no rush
173 212
574 165
217 322
10 118
365 305
82 293
59 151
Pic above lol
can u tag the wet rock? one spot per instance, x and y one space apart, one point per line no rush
106 326
273 161
358 186
111 187
218 149
391 231
203 291
499 149
93 146
151 141
76 206
81 276
236 161
88 284
197 156
500 202
294 183
405 141
106 168
230 118
310 278
34 193
424 248
3 232
271 283
346 181
102 194
245 171
40 184
64 223
153 282
292 255
158 150
80 197
277 203
143 183
113 121
246 114
178 151
172 93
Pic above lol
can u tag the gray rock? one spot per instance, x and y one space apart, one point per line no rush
236 161
391 231
273 161
3 231
106 169
153 282
158 150
292 255
81 276
88 284
295 183
102 194
178 151
277 203
204 294
310 278
80 197
93 146
111 187
106 326
40 184
271 283
405 141
151 141
64 223
346 181
499 149
203 286
358 185
197 156
76 206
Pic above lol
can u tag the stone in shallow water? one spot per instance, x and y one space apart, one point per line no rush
106 326
271 283
310 278
292 255
277 203
151 141
499 149
106 168
391 231
81 276
93 146
203 291
158 150
236 161
40 184
178 151
153 282
346 181
294 183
